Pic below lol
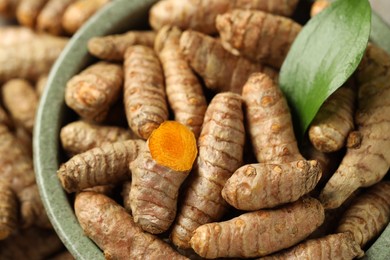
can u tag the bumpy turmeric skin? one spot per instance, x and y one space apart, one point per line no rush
158 173
27 12
113 47
21 101
108 164
259 233
334 246
77 13
31 243
14 34
30 59
258 186
257 35
220 154
367 164
113 230
154 193
368 214
184 91
144 91
269 121
32 210
81 136
48 19
334 121
25 138
200 15
8 210
16 168
329 162
94 90
221 70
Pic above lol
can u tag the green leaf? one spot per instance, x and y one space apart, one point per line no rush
380 30
324 55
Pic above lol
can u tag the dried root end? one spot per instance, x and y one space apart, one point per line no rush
354 140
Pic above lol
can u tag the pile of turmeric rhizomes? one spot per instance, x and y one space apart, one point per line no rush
185 148
32 35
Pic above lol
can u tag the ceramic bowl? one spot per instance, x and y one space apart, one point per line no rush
116 17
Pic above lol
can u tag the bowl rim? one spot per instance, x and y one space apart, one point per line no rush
117 16
121 15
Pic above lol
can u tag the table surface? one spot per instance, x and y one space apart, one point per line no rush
382 7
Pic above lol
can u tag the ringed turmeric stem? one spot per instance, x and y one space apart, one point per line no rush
154 192
220 69
221 145
21 102
200 15
184 91
16 168
30 59
144 91
257 35
78 12
158 173
114 231
32 209
368 163
261 185
94 90
328 161
334 246
49 18
368 214
334 121
10 35
267 230
113 47
24 137
28 11
269 121
279 7
31 243
332 217
80 136
8 210
108 164
186 14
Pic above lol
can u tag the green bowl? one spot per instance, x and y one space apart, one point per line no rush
116 17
